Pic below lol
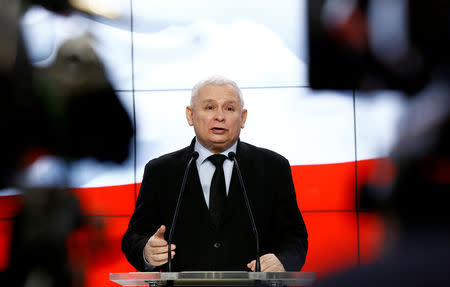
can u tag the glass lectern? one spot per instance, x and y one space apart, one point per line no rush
214 278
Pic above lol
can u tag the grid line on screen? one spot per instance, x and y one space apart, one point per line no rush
189 89
356 179
133 96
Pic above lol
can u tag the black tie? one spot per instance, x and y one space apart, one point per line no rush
217 194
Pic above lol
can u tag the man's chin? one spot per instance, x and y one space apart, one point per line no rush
219 146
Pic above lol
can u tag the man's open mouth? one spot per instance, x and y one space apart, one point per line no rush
218 130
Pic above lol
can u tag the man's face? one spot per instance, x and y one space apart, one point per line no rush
217 117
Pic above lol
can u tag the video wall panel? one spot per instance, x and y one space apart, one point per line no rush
44 32
306 127
257 44
157 50
5 241
377 115
334 236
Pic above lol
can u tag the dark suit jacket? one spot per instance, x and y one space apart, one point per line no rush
200 245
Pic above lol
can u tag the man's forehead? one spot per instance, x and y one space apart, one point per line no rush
226 93
213 88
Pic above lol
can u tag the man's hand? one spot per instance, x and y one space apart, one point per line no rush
269 263
156 249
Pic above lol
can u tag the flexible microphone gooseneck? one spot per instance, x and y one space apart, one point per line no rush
194 157
232 156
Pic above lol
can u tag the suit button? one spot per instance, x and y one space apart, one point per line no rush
217 245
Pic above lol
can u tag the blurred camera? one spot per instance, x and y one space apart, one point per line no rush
377 44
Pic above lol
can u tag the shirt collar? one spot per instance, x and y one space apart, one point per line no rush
204 153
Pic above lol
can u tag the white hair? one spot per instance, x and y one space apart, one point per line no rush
218 81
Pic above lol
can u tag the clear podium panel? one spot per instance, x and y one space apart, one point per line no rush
214 278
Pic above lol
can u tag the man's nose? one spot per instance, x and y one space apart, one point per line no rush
219 115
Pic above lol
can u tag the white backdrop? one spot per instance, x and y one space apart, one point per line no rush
261 45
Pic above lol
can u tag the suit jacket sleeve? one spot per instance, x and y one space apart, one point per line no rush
145 220
289 226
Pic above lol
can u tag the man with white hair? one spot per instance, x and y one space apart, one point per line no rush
213 230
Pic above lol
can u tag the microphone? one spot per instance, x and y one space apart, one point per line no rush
194 157
232 156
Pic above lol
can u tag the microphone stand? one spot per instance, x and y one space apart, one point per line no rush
194 156
232 156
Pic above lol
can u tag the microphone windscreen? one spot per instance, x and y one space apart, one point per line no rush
195 155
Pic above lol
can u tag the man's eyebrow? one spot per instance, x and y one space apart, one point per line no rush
231 102
208 100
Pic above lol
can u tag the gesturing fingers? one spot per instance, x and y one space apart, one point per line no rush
252 265
156 249
162 249
160 232
157 256
270 263
162 257
157 242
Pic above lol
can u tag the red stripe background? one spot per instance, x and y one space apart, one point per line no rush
339 237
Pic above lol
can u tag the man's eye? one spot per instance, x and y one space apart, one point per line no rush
209 107
230 109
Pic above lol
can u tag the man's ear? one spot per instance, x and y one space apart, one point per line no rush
243 118
189 115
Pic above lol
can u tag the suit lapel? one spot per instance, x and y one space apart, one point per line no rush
235 199
195 192
234 195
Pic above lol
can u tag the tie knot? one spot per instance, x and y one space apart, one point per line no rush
217 159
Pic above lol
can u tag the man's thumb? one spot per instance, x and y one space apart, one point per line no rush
160 232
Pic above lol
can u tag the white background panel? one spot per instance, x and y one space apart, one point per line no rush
377 118
259 44
161 125
306 127
176 43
